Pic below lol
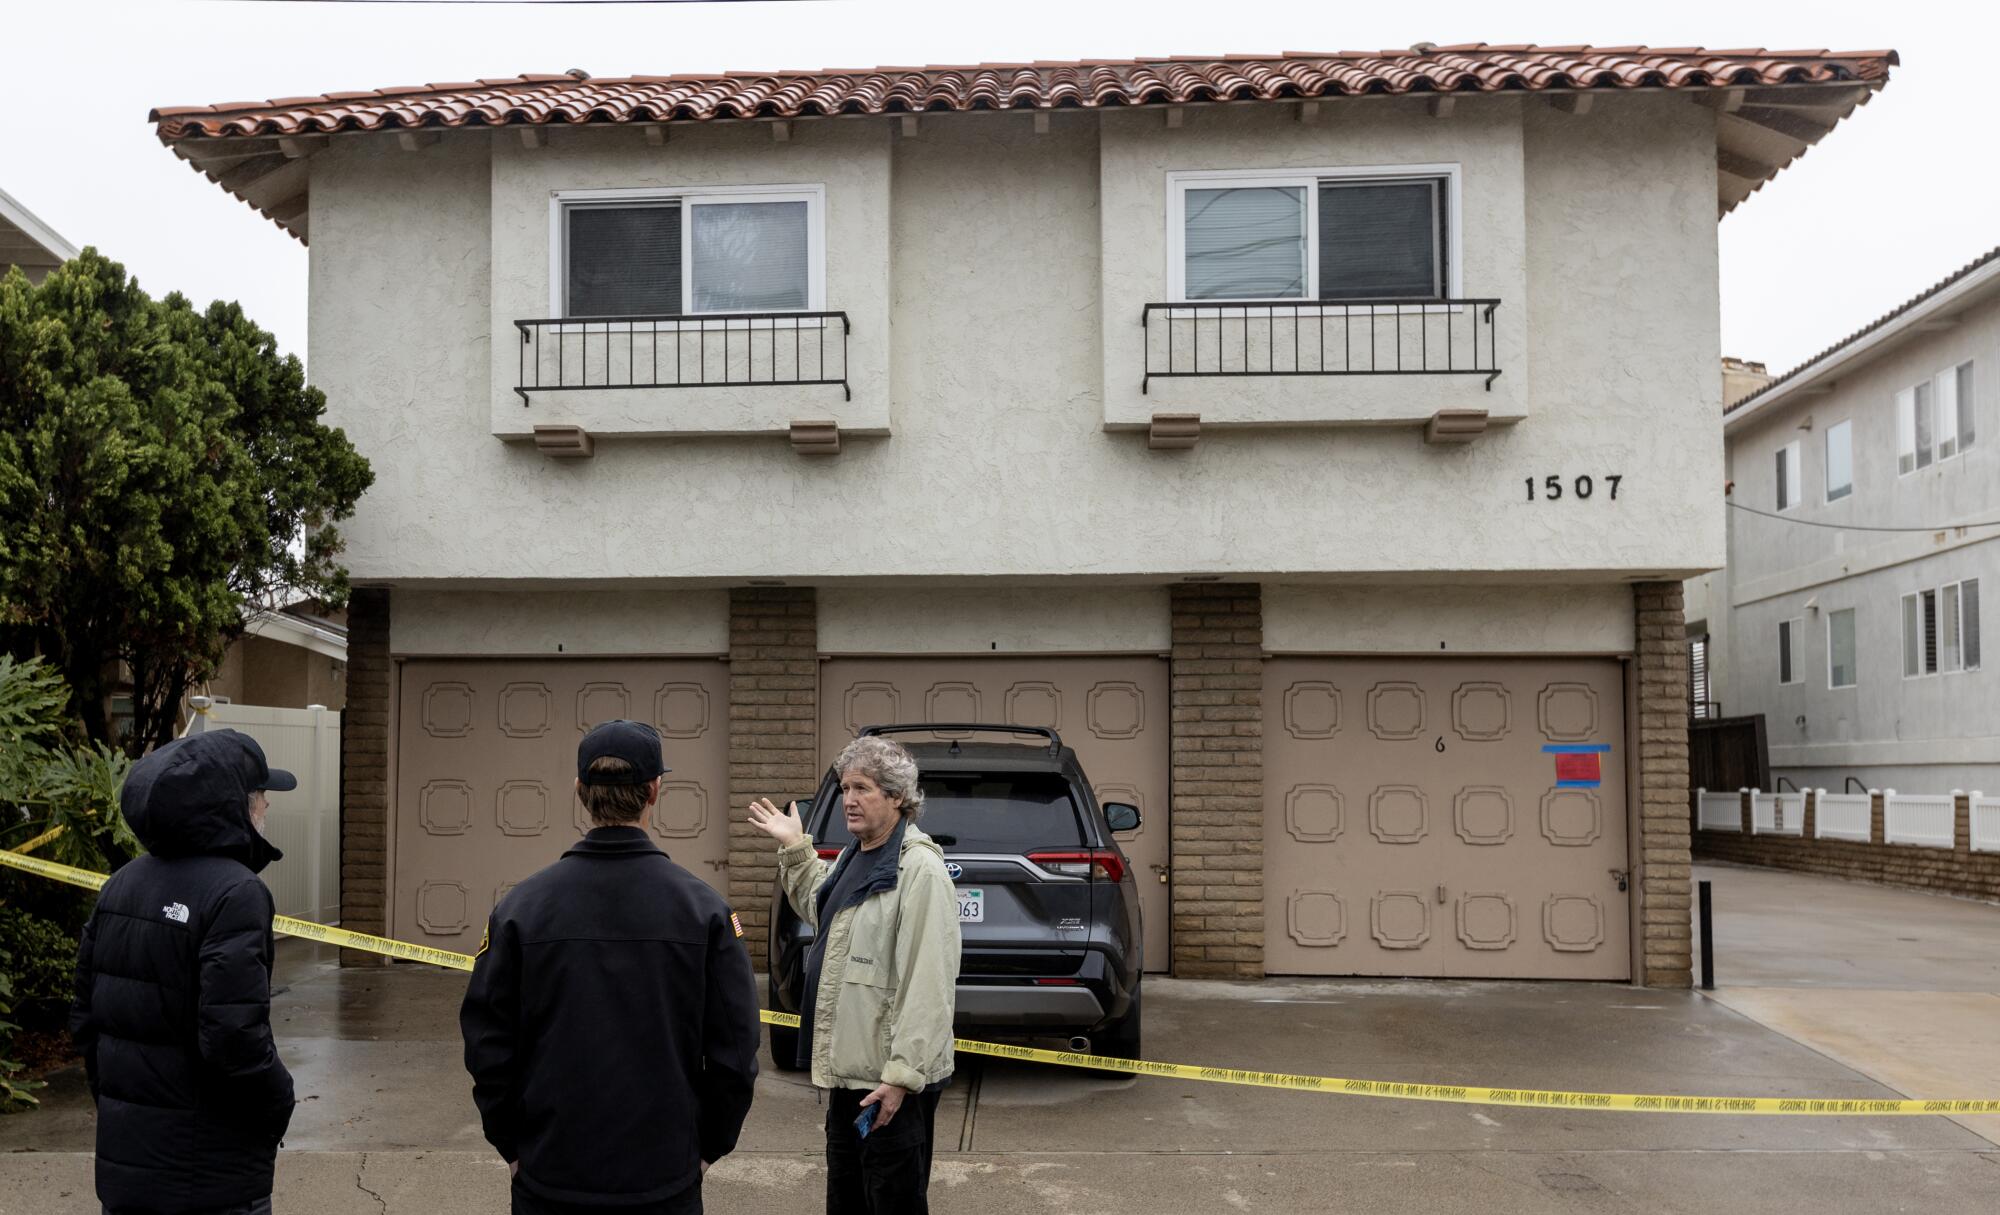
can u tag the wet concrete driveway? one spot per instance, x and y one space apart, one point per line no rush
386 1124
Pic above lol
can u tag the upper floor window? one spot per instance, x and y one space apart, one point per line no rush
621 253
1839 460
1788 475
1954 422
1934 419
1327 234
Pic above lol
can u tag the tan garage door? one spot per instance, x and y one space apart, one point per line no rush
1111 710
486 764
1416 822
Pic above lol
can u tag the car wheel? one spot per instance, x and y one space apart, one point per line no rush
784 1041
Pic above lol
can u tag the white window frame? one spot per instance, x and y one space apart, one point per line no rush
1951 616
1906 432
1826 463
1854 672
1903 614
812 194
1791 644
1180 181
1793 458
1944 388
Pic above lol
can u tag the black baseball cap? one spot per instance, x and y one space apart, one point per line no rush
635 742
252 768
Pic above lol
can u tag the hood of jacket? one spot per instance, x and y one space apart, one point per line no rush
191 797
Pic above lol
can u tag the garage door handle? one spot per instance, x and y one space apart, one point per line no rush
722 864
1622 877
1441 896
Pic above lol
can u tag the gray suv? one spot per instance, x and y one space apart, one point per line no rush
1048 906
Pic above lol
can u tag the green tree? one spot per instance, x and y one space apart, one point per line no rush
161 470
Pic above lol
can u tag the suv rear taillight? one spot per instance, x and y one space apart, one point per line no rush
827 854
1101 864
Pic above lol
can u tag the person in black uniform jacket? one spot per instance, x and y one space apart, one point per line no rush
611 1025
173 990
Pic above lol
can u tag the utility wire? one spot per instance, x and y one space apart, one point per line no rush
506 2
1856 527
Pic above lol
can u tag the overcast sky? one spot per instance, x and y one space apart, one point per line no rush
1898 196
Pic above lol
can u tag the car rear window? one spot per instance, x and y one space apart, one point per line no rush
1009 812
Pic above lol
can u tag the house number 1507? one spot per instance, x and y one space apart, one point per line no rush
1551 488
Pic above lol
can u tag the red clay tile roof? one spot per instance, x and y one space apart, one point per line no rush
1757 135
1474 68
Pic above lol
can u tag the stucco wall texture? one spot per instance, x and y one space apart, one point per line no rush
994 275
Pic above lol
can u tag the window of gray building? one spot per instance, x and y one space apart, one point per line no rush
1913 428
1790 635
1839 460
1788 475
1959 626
1954 422
1840 648
1920 634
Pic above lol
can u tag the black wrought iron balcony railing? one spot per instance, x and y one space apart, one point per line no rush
1321 337
711 350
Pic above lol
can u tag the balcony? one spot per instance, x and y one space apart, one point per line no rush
1454 337
737 350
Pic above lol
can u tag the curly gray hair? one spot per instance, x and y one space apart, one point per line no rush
889 765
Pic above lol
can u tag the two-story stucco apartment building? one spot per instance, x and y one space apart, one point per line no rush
1318 442
1850 610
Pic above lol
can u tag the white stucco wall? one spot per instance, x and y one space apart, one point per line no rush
1000 464
1003 620
521 623
1449 620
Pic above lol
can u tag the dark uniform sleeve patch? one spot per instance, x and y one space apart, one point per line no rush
488 932
733 923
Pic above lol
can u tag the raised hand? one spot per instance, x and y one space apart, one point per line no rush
781 825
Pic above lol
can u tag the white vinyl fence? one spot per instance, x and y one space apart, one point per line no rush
1926 819
1719 811
1985 822
1777 813
304 823
1842 816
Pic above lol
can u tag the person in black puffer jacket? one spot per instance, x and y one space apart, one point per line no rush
173 990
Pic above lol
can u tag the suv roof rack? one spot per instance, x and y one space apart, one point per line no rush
936 727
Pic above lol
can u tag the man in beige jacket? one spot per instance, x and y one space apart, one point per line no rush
881 977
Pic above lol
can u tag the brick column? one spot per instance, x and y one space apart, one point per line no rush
364 772
1217 842
773 734
1666 873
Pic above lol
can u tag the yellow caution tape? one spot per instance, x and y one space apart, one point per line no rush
44 838
1458 1094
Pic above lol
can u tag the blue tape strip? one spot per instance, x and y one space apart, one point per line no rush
1576 749
1579 784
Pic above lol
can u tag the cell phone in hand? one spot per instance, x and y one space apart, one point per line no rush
866 1122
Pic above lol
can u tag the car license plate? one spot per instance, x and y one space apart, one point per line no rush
972 906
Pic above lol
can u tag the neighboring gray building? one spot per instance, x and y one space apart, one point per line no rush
1850 611
27 242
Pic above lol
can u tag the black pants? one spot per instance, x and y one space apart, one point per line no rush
687 1202
888 1173
260 1207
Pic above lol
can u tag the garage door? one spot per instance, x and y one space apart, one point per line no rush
486 763
1111 710
1439 817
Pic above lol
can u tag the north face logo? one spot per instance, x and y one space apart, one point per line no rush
177 912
